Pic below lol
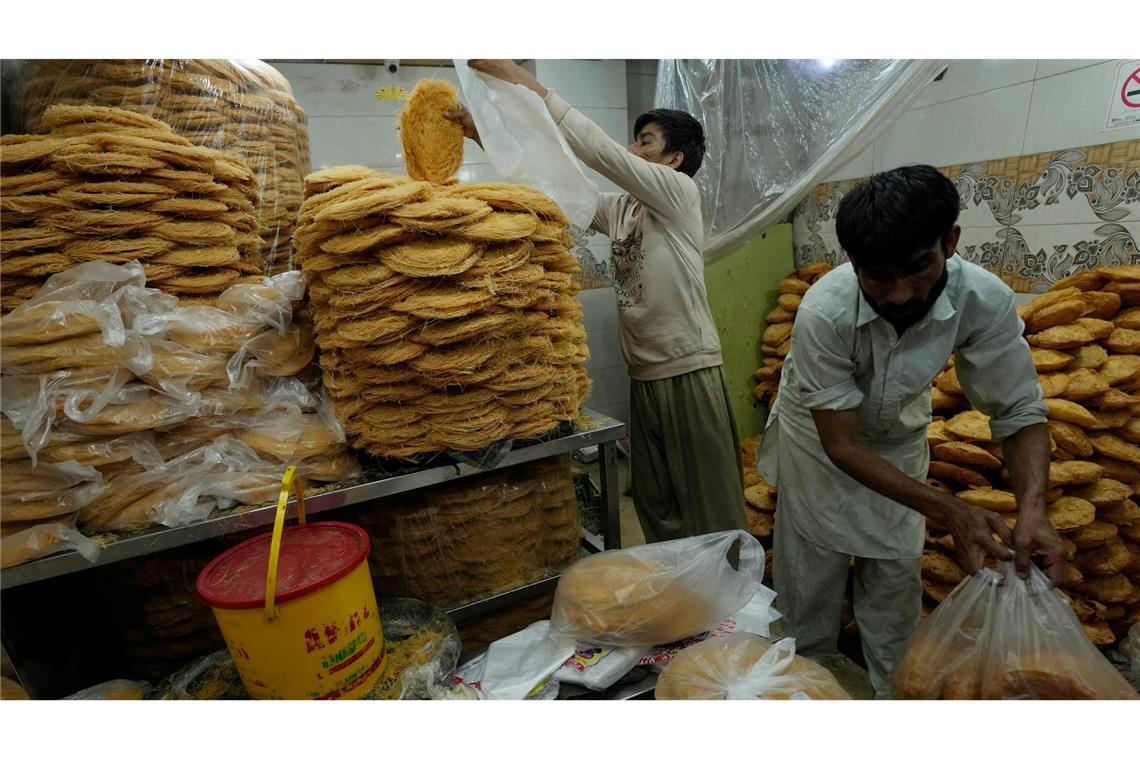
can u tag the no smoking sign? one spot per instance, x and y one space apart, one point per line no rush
1124 108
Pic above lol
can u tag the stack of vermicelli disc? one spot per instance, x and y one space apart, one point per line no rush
243 107
455 542
444 312
106 184
776 339
1084 335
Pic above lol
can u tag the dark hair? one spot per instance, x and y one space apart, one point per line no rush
682 132
883 222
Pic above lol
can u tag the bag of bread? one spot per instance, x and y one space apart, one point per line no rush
23 542
656 593
746 666
997 636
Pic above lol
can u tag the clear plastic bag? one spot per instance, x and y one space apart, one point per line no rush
120 688
999 637
523 143
21 544
657 593
244 107
41 491
746 666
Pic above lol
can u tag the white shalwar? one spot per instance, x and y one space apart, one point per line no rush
845 356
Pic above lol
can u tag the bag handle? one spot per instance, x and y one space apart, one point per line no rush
293 480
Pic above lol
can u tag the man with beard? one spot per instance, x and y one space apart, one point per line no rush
846 439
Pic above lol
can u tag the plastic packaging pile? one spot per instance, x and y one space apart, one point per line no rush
444 312
1084 335
115 186
453 543
243 107
646 605
123 409
999 637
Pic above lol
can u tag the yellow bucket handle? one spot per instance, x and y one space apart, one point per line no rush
289 479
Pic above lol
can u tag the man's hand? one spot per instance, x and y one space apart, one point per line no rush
973 530
508 71
463 117
1034 536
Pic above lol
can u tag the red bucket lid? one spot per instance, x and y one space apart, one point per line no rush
312 557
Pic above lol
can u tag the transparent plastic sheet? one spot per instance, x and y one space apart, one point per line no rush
524 144
244 107
457 542
213 676
120 689
657 593
745 666
999 637
815 118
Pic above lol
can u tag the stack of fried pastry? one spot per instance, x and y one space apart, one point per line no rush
1084 335
776 339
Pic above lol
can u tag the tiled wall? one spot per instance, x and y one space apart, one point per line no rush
348 125
1046 189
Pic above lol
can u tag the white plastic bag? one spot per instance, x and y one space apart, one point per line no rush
521 663
745 666
523 143
656 593
997 636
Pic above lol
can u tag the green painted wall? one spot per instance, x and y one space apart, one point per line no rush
742 289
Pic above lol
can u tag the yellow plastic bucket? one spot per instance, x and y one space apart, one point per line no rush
297 609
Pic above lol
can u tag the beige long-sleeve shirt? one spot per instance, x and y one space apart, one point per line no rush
656 235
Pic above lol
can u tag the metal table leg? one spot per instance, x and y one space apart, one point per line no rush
607 463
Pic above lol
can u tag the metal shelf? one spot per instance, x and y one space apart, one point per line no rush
602 430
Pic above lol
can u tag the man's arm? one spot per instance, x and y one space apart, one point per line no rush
971 527
996 371
1027 459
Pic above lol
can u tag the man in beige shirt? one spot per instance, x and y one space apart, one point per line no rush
685 464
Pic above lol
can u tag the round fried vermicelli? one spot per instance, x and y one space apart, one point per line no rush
442 323
433 144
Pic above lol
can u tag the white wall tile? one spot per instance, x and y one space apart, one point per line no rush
367 140
1074 237
599 307
1069 110
605 348
1047 67
973 77
861 165
976 128
585 84
343 89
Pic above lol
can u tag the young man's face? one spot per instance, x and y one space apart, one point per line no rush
904 294
649 144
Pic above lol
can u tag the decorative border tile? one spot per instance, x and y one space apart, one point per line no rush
1019 213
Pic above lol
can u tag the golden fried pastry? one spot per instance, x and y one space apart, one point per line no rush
1069 411
971 425
1061 337
960 452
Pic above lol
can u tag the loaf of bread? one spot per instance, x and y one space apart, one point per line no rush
745 666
